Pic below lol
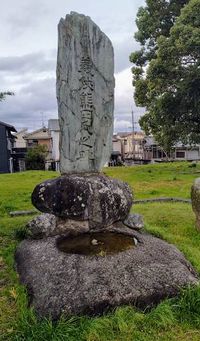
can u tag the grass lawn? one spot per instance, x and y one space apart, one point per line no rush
174 319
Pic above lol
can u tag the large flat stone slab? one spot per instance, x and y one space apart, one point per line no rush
85 93
60 283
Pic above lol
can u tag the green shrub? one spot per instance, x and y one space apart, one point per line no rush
35 158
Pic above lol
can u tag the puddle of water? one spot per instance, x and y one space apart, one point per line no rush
97 243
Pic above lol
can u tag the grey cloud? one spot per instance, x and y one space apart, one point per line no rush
24 109
126 116
122 51
34 62
26 16
41 61
31 26
39 95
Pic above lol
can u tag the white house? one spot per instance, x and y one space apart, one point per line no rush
179 152
54 129
20 142
189 153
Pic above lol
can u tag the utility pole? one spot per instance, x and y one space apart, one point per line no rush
133 127
133 130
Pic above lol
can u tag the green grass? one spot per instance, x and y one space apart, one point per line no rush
15 189
173 319
159 180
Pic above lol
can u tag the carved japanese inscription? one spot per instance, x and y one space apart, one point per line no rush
87 109
85 94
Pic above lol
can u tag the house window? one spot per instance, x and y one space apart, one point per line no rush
32 143
180 155
125 142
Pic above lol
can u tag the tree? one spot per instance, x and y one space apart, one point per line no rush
154 20
4 94
172 96
35 158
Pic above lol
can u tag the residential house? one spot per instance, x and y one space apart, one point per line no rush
131 145
6 147
40 137
20 142
19 151
124 138
117 145
117 148
54 130
189 153
136 140
153 152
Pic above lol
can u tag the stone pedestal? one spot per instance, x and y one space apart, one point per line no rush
63 276
195 197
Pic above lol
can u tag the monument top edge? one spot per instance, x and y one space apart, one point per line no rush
76 14
80 16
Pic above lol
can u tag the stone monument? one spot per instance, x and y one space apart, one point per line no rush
85 93
84 254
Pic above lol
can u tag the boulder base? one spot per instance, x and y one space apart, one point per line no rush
195 197
134 221
60 283
97 198
48 225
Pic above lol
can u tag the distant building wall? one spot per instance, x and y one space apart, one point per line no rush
4 154
54 128
6 147
46 143
193 155
117 146
187 154
20 142
55 135
132 145
40 137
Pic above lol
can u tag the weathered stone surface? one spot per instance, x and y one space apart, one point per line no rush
195 196
76 284
97 198
71 226
42 225
134 221
46 225
85 94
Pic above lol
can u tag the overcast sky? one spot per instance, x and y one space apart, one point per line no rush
28 48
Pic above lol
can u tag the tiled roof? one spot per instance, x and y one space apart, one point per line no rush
10 127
